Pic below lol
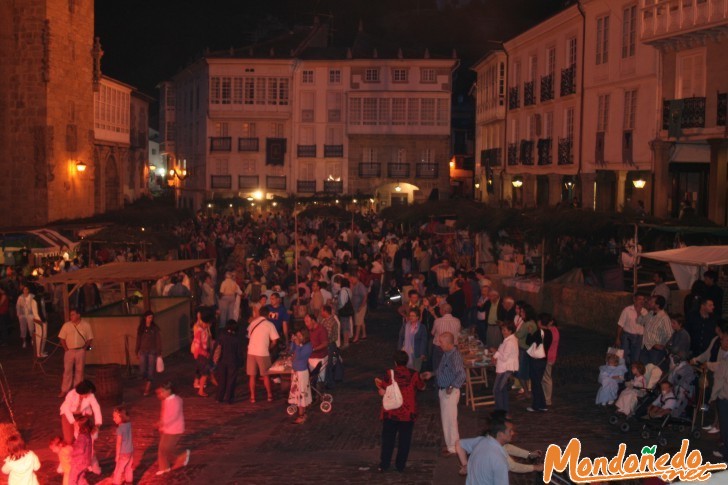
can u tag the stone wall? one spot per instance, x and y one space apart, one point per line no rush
46 110
592 308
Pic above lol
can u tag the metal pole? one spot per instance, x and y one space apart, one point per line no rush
295 256
543 261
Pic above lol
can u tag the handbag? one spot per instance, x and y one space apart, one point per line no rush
160 364
392 396
536 350
348 309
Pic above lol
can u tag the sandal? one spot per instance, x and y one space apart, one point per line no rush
252 400
203 394
270 398
299 420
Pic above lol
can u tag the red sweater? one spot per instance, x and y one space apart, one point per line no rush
409 383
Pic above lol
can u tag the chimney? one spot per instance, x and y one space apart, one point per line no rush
427 53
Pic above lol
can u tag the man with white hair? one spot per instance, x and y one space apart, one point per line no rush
450 377
446 323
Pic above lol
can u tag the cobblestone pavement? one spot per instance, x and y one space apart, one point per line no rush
246 443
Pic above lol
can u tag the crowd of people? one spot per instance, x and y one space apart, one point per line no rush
303 298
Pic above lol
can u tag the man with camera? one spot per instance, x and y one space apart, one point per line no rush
76 338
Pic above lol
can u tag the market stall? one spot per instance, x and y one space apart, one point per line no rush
114 325
688 263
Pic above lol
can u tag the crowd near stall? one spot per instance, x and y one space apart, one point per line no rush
284 294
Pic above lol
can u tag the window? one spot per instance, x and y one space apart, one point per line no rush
308 101
690 75
355 111
571 51
221 166
370 111
226 90
369 155
384 111
515 131
283 91
333 106
569 123
629 29
238 90
533 68
502 84
306 170
169 131
551 61
427 114
248 130
215 90
413 111
169 97
399 75
307 77
333 170
222 128
334 135
249 90
516 74
630 107
427 155
260 90
401 155
602 39
247 167
534 126
371 75
399 111
334 76
548 125
308 135
276 130
272 90
428 75
603 113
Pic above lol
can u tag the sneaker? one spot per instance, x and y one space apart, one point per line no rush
187 457
706 428
162 472
713 430
25 344
543 410
530 409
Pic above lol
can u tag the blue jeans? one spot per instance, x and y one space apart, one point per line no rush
147 365
500 390
631 344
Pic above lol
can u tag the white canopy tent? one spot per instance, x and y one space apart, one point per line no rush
687 263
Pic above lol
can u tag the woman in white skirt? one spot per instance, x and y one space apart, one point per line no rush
300 393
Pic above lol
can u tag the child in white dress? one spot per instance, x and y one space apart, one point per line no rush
636 388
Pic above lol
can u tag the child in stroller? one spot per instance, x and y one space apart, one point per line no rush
610 376
645 378
665 404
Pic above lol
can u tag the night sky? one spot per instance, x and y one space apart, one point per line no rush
146 42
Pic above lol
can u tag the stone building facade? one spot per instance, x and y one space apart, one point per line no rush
47 78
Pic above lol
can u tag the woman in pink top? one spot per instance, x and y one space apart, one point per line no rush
171 426
547 382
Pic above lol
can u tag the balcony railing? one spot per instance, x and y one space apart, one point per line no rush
221 143
527 152
544 151
221 181
248 182
490 157
370 170
668 18
275 182
566 152
529 94
722 109
248 145
513 154
333 186
333 151
398 170
426 170
547 88
306 186
513 101
683 113
306 151
568 80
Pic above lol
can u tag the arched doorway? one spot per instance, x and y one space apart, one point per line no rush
112 197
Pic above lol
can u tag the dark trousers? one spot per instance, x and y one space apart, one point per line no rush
227 376
390 429
536 369
723 421
481 328
500 390
654 356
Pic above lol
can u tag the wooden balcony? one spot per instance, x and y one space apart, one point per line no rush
664 20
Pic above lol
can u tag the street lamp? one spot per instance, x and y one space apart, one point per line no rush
81 166
639 182
398 188
517 182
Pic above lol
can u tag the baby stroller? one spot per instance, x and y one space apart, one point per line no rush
325 398
630 400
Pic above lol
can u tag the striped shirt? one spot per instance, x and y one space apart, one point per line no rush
451 371
658 330
446 323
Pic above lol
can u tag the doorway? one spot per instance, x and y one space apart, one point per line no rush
689 192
